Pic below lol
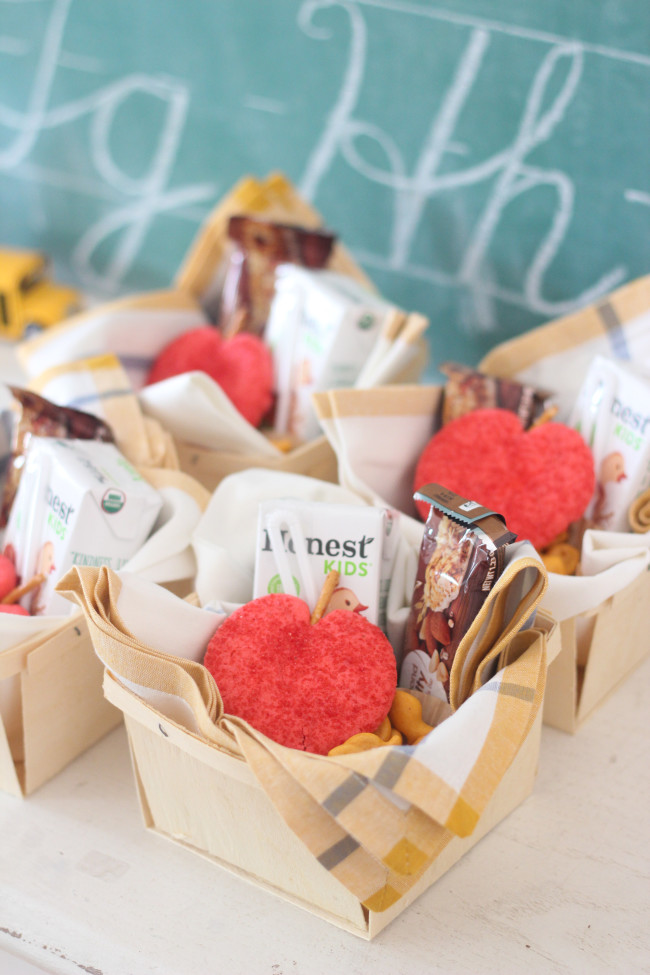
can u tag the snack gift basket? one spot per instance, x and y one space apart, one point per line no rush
602 609
603 618
52 707
274 199
353 838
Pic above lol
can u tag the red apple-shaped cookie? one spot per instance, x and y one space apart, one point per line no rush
241 365
308 686
8 577
539 480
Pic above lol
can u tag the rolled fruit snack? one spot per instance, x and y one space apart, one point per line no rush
461 557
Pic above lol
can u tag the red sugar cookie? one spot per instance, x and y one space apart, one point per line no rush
8 577
308 686
241 365
539 480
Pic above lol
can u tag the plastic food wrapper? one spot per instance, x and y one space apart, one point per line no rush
300 542
38 417
323 327
79 502
467 389
461 557
612 413
258 247
272 198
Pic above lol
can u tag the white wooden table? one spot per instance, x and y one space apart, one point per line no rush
560 886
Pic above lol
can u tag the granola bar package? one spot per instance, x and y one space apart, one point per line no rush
467 390
461 558
258 247
38 417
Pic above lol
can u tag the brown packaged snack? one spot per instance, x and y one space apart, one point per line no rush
467 390
461 557
38 417
259 246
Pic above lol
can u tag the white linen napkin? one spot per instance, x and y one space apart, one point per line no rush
610 561
194 409
167 555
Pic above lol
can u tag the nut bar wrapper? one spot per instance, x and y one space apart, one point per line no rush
259 246
467 390
461 557
39 417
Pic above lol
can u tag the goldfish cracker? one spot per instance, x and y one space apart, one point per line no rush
406 715
367 740
562 558
283 444
554 564
385 730
358 743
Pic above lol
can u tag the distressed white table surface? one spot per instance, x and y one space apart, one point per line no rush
560 886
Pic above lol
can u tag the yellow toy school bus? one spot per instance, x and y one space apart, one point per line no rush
28 298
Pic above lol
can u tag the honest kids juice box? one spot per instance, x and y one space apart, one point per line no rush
79 502
300 542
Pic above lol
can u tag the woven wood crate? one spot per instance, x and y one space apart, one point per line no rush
60 709
211 803
598 650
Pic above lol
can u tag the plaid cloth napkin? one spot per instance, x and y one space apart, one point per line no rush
557 356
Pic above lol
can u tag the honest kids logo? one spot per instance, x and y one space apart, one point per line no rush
632 426
113 501
340 555
275 585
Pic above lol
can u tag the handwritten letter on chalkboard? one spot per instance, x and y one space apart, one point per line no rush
489 171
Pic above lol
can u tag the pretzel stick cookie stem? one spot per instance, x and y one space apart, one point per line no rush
549 414
330 584
20 591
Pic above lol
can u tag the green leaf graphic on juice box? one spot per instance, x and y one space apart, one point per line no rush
275 585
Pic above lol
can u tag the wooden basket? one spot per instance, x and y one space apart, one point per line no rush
62 710
211 803
599 649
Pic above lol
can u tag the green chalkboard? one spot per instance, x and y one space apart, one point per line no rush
487 162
